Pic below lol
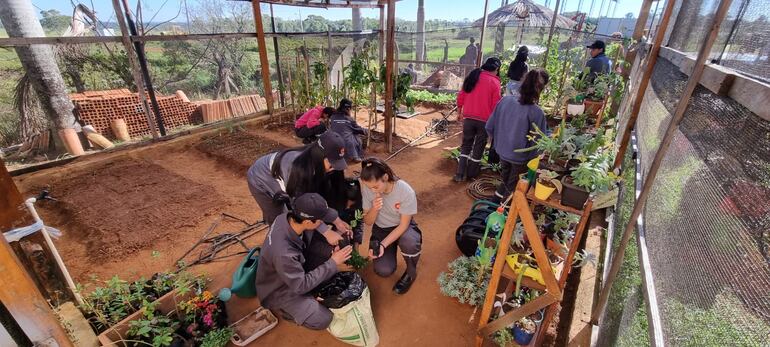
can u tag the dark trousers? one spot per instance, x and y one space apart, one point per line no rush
410 244
509 173
472 148
309 134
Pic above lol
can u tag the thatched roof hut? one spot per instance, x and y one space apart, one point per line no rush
531 14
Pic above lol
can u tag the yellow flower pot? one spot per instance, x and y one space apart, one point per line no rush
542 191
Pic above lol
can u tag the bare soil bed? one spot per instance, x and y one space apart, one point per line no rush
237 148
117 214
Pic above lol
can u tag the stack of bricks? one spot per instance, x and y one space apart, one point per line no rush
215 110
99 108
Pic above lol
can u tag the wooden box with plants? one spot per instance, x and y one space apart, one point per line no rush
543 236
170 309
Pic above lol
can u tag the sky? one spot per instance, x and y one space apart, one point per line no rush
405 9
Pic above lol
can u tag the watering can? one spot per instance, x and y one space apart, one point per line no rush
244 278
495 222
533 273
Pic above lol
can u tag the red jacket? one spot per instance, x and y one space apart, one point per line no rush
310 118
481 101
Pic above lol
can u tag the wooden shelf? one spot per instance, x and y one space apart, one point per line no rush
554 201
528 282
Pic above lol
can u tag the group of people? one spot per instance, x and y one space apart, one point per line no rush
507 117
309 204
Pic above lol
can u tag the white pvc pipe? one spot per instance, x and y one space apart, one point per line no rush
30 203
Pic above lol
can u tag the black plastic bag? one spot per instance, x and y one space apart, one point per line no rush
340 290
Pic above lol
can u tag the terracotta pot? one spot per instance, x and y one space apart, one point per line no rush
71 141
593 107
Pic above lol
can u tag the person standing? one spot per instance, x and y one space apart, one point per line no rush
281 281
310 125
599 63
343 124
389 205
278 177
475 102
516 71
510 125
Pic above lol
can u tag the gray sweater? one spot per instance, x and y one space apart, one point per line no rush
509 125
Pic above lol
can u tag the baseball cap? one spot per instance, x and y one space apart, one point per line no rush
313 206
597 44
345 103
334 149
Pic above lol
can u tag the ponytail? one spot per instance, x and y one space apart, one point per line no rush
373 169
471 80
532 86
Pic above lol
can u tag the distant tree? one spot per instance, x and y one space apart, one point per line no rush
54 21
629 15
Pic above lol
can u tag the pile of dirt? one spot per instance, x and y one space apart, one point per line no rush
237 149
123 206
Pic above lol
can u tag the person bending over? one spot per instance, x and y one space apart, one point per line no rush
343 124
282 283
310 124
511 123
389 205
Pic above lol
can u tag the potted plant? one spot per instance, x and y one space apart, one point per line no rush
590 176
547 183
523 331
201 314
575 106
597 93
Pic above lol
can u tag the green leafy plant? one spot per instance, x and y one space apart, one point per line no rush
356 260
358 216
591 177
153 328
583 258
435 98
503 337
217 338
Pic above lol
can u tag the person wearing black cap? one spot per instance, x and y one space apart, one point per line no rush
281 281
475 102
342 123
277 177
599 63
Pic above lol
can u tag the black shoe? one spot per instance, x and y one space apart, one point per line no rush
403 284
458 178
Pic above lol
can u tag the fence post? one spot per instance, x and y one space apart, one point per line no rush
483 29
649 180
550 33
265 64
389 81
277 60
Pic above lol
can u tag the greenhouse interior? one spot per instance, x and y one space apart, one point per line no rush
385 172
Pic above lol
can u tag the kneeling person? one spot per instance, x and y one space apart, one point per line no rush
309 125
282 283
389 204
342 123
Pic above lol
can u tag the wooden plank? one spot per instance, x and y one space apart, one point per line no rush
264 63
642 88
19 294
554 201
433 63
511 317
579 231
531 230
673 126
497 269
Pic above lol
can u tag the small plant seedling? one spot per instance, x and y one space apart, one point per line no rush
357 261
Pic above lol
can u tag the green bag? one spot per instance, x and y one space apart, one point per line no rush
244 278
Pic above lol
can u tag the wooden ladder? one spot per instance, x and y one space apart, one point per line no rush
521 209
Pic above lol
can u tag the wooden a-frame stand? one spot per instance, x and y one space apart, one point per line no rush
552 291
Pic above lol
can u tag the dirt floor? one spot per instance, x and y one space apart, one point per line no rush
135 212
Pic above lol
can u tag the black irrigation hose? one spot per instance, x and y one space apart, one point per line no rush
483 188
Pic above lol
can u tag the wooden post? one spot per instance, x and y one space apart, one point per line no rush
645 81
389 81
19 294
649 180
329 62
550 32
281 88
381 44
481 38
142 58
265 69
132 63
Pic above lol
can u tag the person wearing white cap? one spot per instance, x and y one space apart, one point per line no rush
281 281
278 177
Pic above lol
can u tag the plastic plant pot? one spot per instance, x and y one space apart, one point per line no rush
572 195
542 191
522 337
575 109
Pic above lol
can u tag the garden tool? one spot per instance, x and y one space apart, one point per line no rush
529 271
495 222
244 278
